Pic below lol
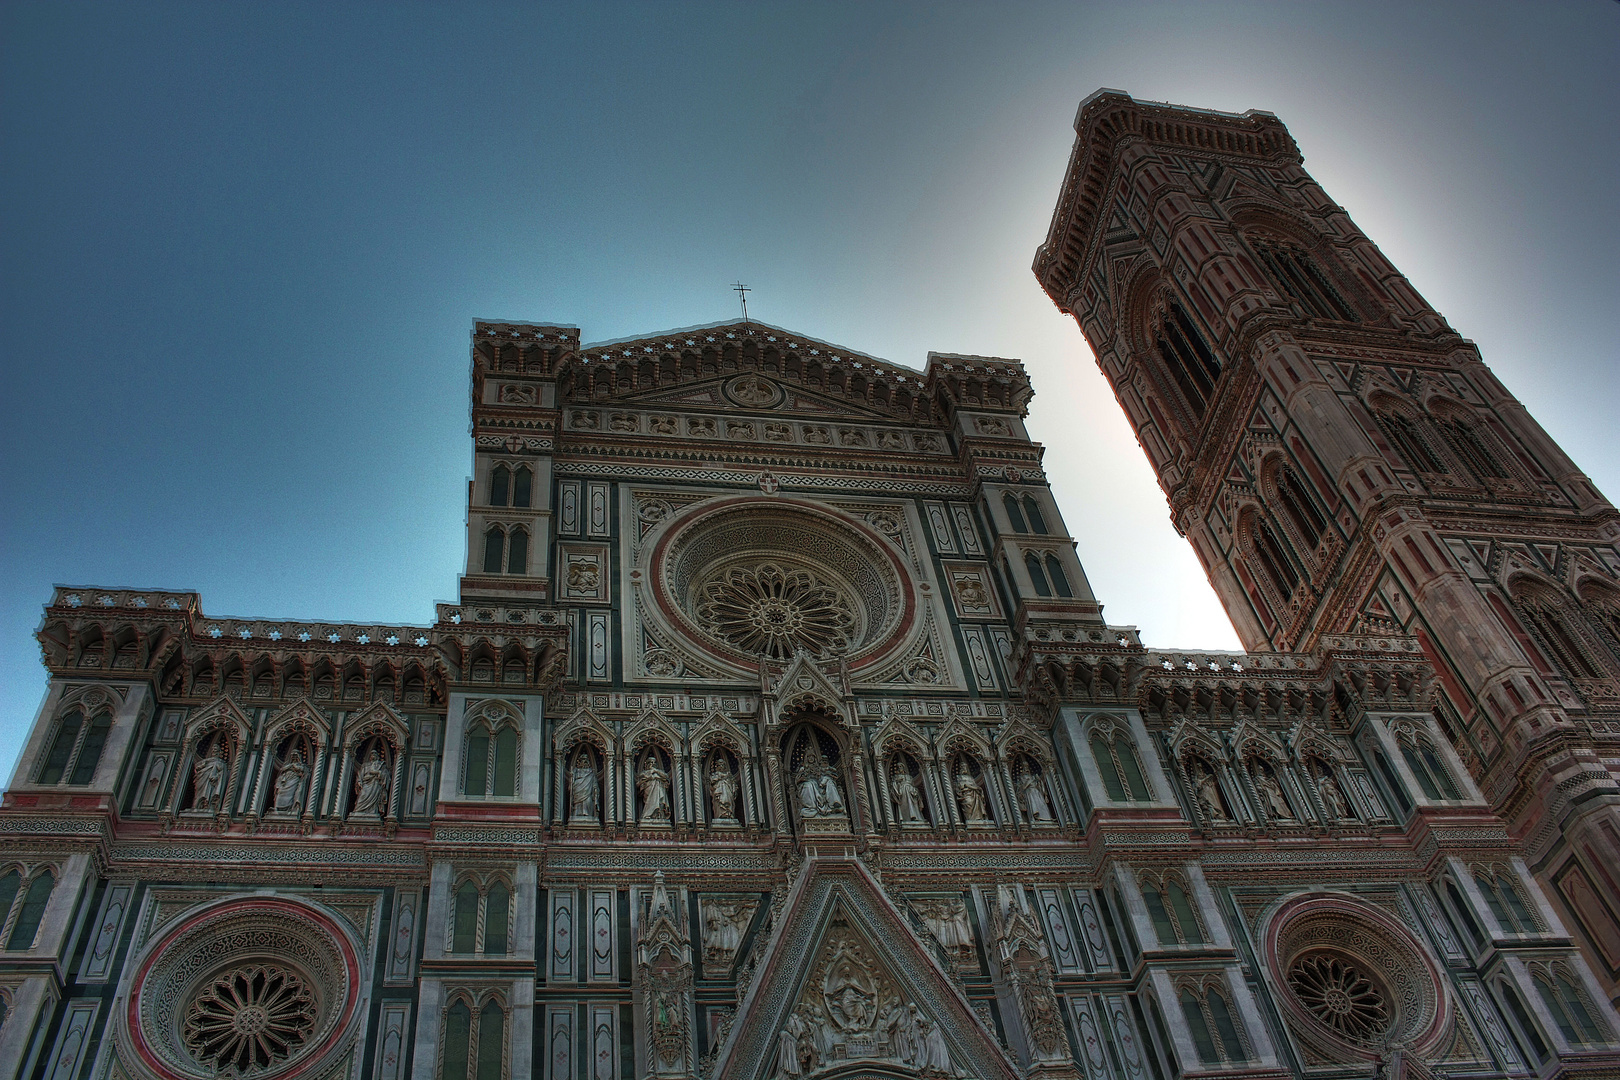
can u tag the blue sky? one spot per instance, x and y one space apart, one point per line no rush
242 245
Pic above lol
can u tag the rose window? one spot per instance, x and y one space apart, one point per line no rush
772 610
1338 994
249 1018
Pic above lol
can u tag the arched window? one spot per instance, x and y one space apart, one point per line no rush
1300 508
1406 434
24 907
1506 905
1014 514
1190 362
482 917
457 1042
491 1041
1174 920
1461 908
1568 1008
522 485
1032 563
464 935
491 759
1548 616
75 749
1060 580
1521 1017
1381 763
494 550
1298 275
498 908
1273 559
1225 1027
1032 513
1462 435
499 480
1432 776
517 552
1116 762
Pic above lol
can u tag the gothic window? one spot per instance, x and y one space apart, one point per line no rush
1405 433
474 1046
75 749
522 485
1381 763
1302 279
1567 1005
1190 362
517 552
481 917
1060 580
1432 776
1300 508
1521 1017
1210 1023
1601 605
1032 514
1467 917
1502 896
1170 908
1465 440
506 549
1014 514
22 906
1116 761
1032 563
494 550
1274 560
491 752
1551 619
499 481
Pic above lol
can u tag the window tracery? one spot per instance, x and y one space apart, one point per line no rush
1407 433
1205 1008
75 748
24 894
490 755
1118 764
1558 627
1498 886
474 1043
1187 358
1301 279
1424 762
481 915
1567 1004
1171 909
773 610
249 1018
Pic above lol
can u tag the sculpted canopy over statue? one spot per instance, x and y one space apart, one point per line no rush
1271 791
208 779
582 789
370 786
288 796
1209 791
1337 805
653 783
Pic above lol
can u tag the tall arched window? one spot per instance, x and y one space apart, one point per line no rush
499 481
1170 908
1568 1008
481 918
1462 435
1192 1010
522 485
1502 897
1301 510
1521 1016
457 1042
1190 362
1014 514
494 550
491 1041
1032 563
517 552
1032 514
1272 558
75 749
24 907
1060 580
1298 275
1548 615
1381 763
1406 434
464 931
491 759
1460 906
1432 776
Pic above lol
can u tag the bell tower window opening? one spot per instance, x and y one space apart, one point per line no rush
1405 434
1014 514
1303 280
499 482
517 552
22 907
1464 439
1300 508
1037 578
1032 514
1190 361
1273 558
494 550
1548 618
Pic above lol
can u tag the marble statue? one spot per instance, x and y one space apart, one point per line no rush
653 783
370 786
208 780
970 797
288 793
582 791
723 791
907 799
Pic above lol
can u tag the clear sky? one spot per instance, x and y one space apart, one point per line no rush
242 245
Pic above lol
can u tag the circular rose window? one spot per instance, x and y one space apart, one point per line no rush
1355 979
254 987
748 578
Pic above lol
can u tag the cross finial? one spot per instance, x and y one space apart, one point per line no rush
742 292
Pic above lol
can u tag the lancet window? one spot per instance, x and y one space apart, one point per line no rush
1405 432
75 749
1190 362
1464 915
1037 577
491 757
1502 896
1299 508
1060 580
1521 1017
510 487
1463 436
1170 907
1210 1022
1551 619
1117 762
474 1044
1427 769
1015 514
481 921
1302 279
1032 514
506 550
24 895
1567 1005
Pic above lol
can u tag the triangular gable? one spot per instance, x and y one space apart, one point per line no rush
843 955
804 682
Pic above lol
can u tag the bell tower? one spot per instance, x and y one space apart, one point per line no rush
1343 462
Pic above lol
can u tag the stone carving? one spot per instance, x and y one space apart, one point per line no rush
903 790
775 611
249 1018
819 795
1338 807
1033 792
370 787
583 791
208 779
1336 991
723 791
1271 792
653 783
970 796
1026 964
947 921
664 974
288 793
725 920
851 1010
1210 799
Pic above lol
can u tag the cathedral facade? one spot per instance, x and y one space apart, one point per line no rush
776 732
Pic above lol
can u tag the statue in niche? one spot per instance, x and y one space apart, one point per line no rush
370 786
1209 791
653 783
903 790
970 796
819 794
582 791
947 920
208 779
1271 792
1332 795
723 790
724 922
288 794
1033 793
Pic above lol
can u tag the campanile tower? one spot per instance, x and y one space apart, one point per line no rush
1342 461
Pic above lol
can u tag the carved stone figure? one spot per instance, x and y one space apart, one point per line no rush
289 785
905 1033
653 783
935 1056
1209 792
724 922
208 780
370 786
791 1041
819 793
907 799
1034 795
723 791
582 790
1271 791
1337 806
947 920
970 797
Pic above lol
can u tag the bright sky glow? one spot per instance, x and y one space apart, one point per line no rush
242 245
